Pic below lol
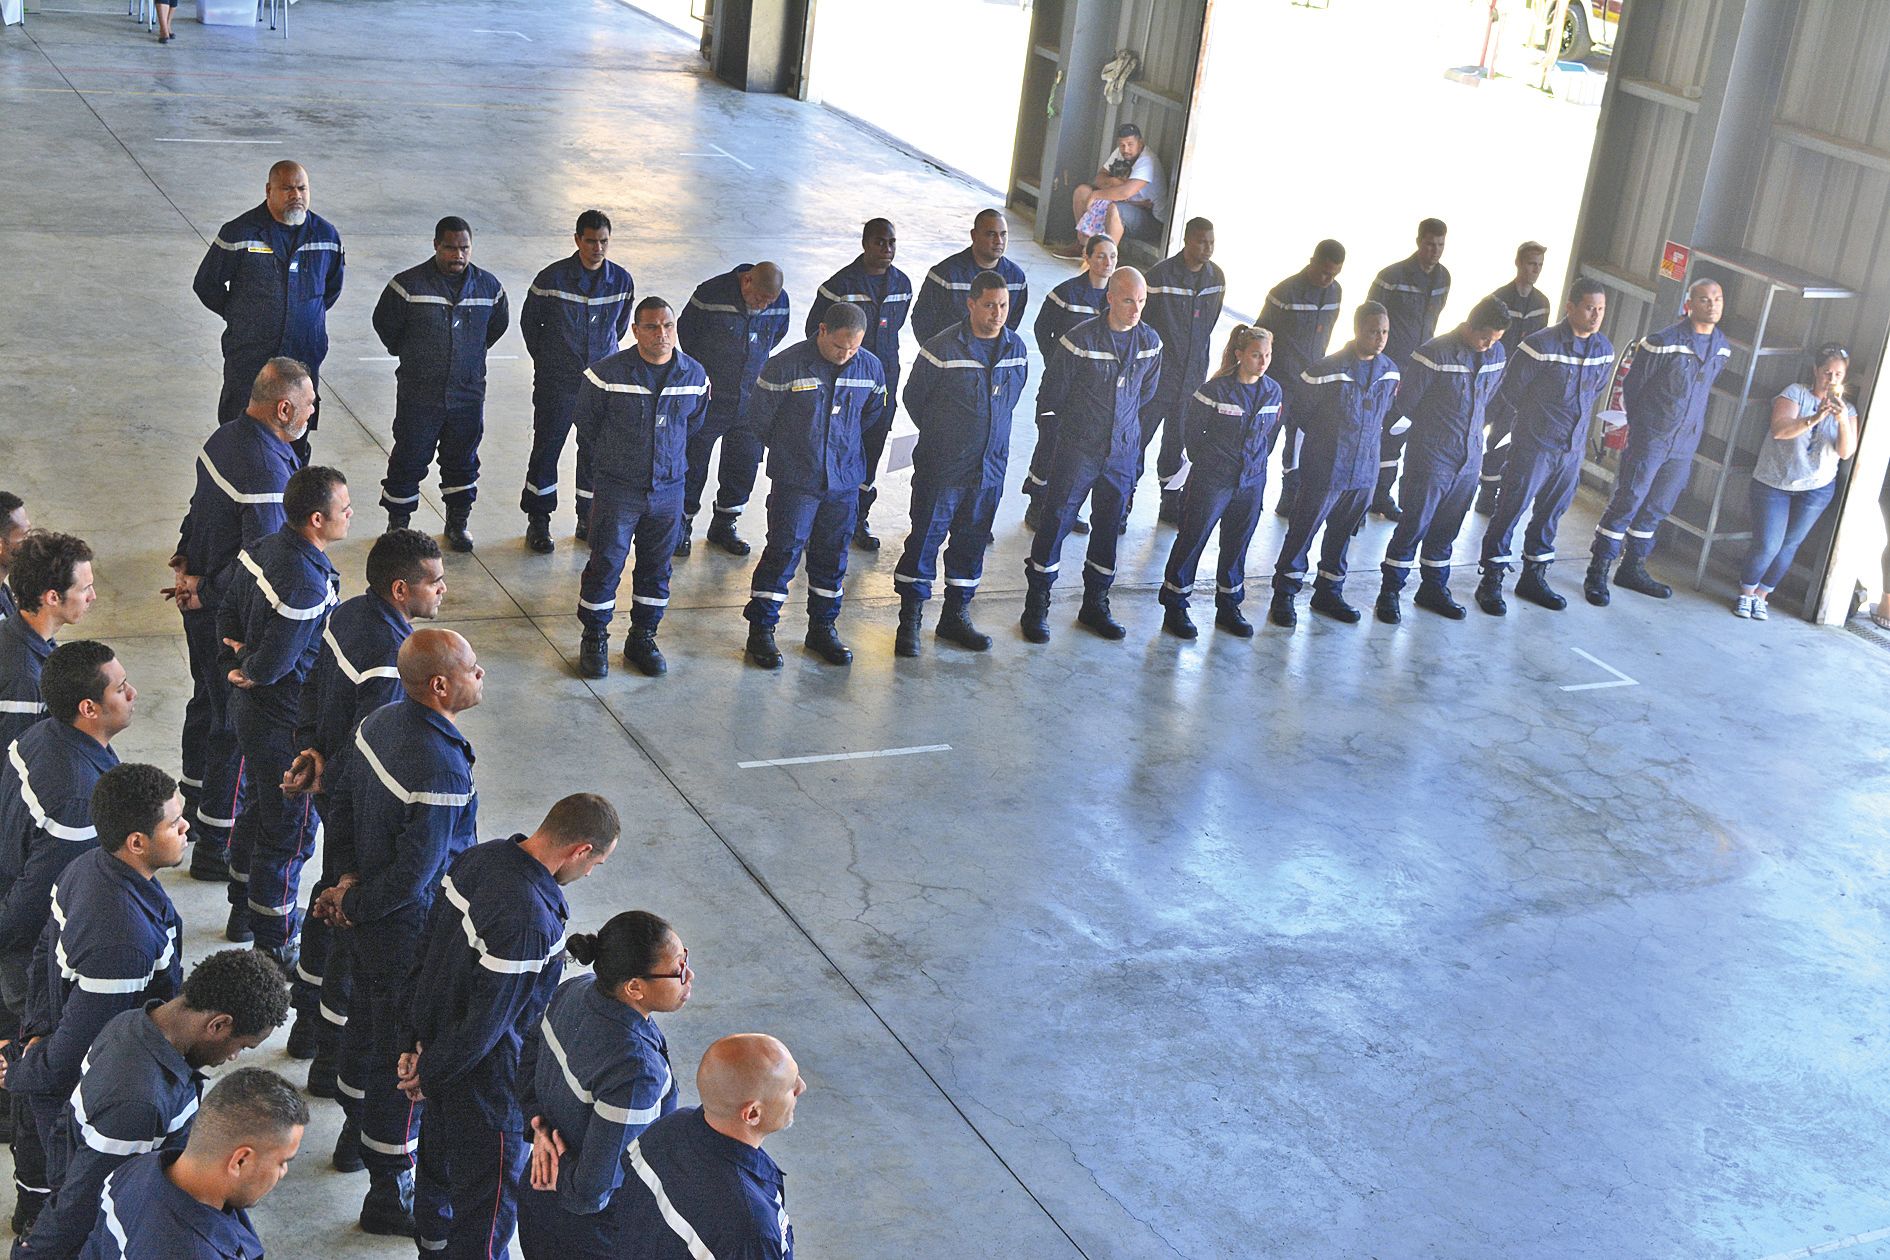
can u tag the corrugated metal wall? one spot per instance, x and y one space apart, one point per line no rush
1755 125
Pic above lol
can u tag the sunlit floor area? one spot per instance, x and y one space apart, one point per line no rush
1556 935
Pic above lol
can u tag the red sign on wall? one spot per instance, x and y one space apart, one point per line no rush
1673 261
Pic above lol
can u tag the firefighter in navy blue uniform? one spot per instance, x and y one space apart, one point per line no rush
1082 297
941 300
1528 309
963 390
439 319
193 1204
112 943
699 1182
405 808
1301 311
1230 421
490 960
600 1076
270 627
1551 389
575 313
817 397
1184 305
53 573
241 473
272 274
732 324
354 675
1103 374
1346 397
883 292
143 1081
14 526
636 414
1665 398
1413 293
1446 391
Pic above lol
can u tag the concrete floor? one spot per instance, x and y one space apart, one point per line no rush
1360 942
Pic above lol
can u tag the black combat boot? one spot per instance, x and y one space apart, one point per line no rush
538 533
1633 576
1595 583
641 653
824 641
722 534
954 626
1094 616
1533 586
1035 622
594 654
1490 590
761 649
911 611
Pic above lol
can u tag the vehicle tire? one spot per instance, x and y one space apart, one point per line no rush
1575 44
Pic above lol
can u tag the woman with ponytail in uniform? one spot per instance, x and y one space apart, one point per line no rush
601 1077
1230 423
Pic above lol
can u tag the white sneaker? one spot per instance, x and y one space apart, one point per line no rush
1744 607
1758 608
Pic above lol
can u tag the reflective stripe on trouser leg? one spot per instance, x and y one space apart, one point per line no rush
700 453
459 457
209 744
389 1121
1524 471
1170 414
1669 482
337 995
659 526
433 1165
553 410
1072 476
827 545
872 447
790 523
1202 504
274 834
1042 454
1446 523
1347 511
1312 505
737 469
1555 492
417 429
1238 521
613 521
1108 499
970 538
932 509
1632 482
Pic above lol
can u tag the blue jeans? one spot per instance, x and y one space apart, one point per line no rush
1780 521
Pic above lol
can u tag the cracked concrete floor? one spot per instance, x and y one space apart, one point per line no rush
1351 942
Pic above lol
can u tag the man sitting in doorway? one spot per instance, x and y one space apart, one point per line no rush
1126 195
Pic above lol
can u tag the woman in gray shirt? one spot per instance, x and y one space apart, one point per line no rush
1812 429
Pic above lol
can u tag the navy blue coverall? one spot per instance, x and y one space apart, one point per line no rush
277 607
439 327
274 286
636 418
962 393
22 656
600 1076
1665 397
1550 390
407 809
1230 430
138 1094
241 473
732 343
1413 298
887 302
1300 315
355 673
492 955
728 1196
1066 306
1446 392
1097 382
141 1206
1528 315
1184 307
947 287
1345 402
810 414
570 319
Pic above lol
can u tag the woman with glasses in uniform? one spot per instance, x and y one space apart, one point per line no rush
1812 429
600 1076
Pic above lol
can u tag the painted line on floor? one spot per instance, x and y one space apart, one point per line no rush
209 140
853 756
719 152
480 30
1826 1248
1620 679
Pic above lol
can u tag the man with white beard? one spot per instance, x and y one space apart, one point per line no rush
272 273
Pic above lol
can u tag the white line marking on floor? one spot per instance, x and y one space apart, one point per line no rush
1620 679
202 139
853 756
480 30
720 152
1836 1244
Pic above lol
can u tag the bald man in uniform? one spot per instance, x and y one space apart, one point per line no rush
697 1180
